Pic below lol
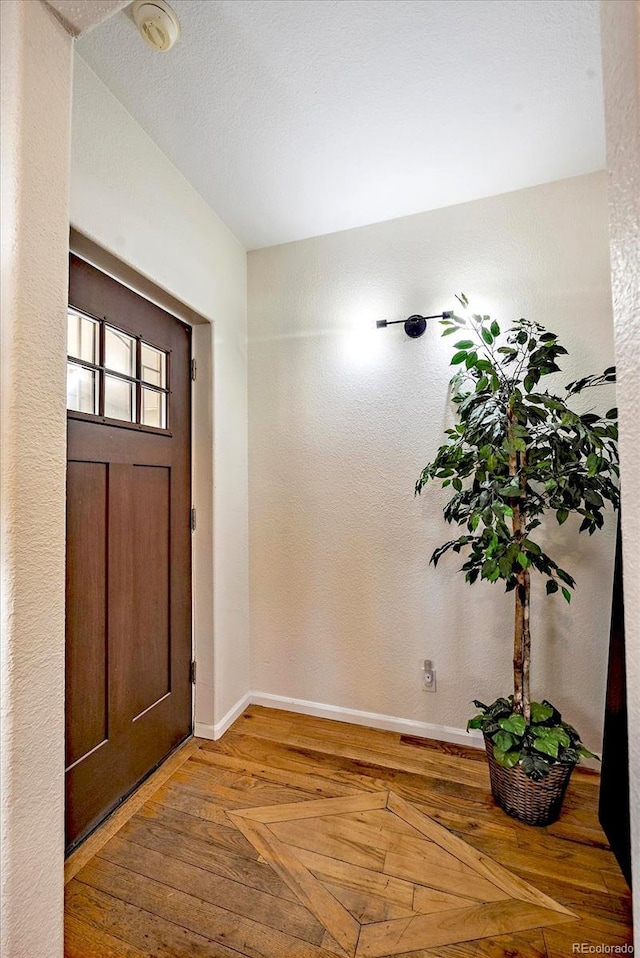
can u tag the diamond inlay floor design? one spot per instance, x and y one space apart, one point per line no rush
384 879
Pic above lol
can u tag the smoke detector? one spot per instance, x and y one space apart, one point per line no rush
157 23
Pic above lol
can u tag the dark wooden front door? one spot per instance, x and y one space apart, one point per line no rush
128 682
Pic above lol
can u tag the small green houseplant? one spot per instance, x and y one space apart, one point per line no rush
517 453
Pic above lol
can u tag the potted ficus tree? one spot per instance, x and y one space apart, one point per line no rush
517 453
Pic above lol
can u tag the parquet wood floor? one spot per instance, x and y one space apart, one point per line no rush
297 837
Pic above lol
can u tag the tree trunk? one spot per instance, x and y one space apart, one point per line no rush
522 648
522 634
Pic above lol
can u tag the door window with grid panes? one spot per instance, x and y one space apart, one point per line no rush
114 376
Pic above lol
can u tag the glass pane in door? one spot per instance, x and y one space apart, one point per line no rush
154 408
82 337
154 366
119 352
82 392
119 399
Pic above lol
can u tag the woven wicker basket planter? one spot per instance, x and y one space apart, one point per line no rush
534 803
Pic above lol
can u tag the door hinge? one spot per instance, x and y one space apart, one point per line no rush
194 370
192 672
192 518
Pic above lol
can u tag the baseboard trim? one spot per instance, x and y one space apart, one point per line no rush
214 732
441 733
389 723
204 731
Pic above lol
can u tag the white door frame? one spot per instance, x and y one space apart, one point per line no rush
202 452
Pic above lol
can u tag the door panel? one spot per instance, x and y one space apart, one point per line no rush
86 663
128 551
149 658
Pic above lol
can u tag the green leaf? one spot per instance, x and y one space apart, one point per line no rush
464 344
550 734
540 712
506 567
561 737
512 758
482 383
585 753
504 740
569 756
511 446
565 576
495 329
562 515
566 594
489 567
593 463
458 358
475 722
486 335
515 723
523 560
506 759
532 547
535 766
552 586
547 746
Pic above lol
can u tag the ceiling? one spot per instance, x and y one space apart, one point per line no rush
294 118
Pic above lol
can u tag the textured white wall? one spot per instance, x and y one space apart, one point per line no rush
620 28
128 197
343 416
78 16
36 88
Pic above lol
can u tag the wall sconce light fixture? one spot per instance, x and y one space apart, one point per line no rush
415 325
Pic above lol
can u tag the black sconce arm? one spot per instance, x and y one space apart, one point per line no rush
415 325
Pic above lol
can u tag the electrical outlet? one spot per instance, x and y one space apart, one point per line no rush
428 676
